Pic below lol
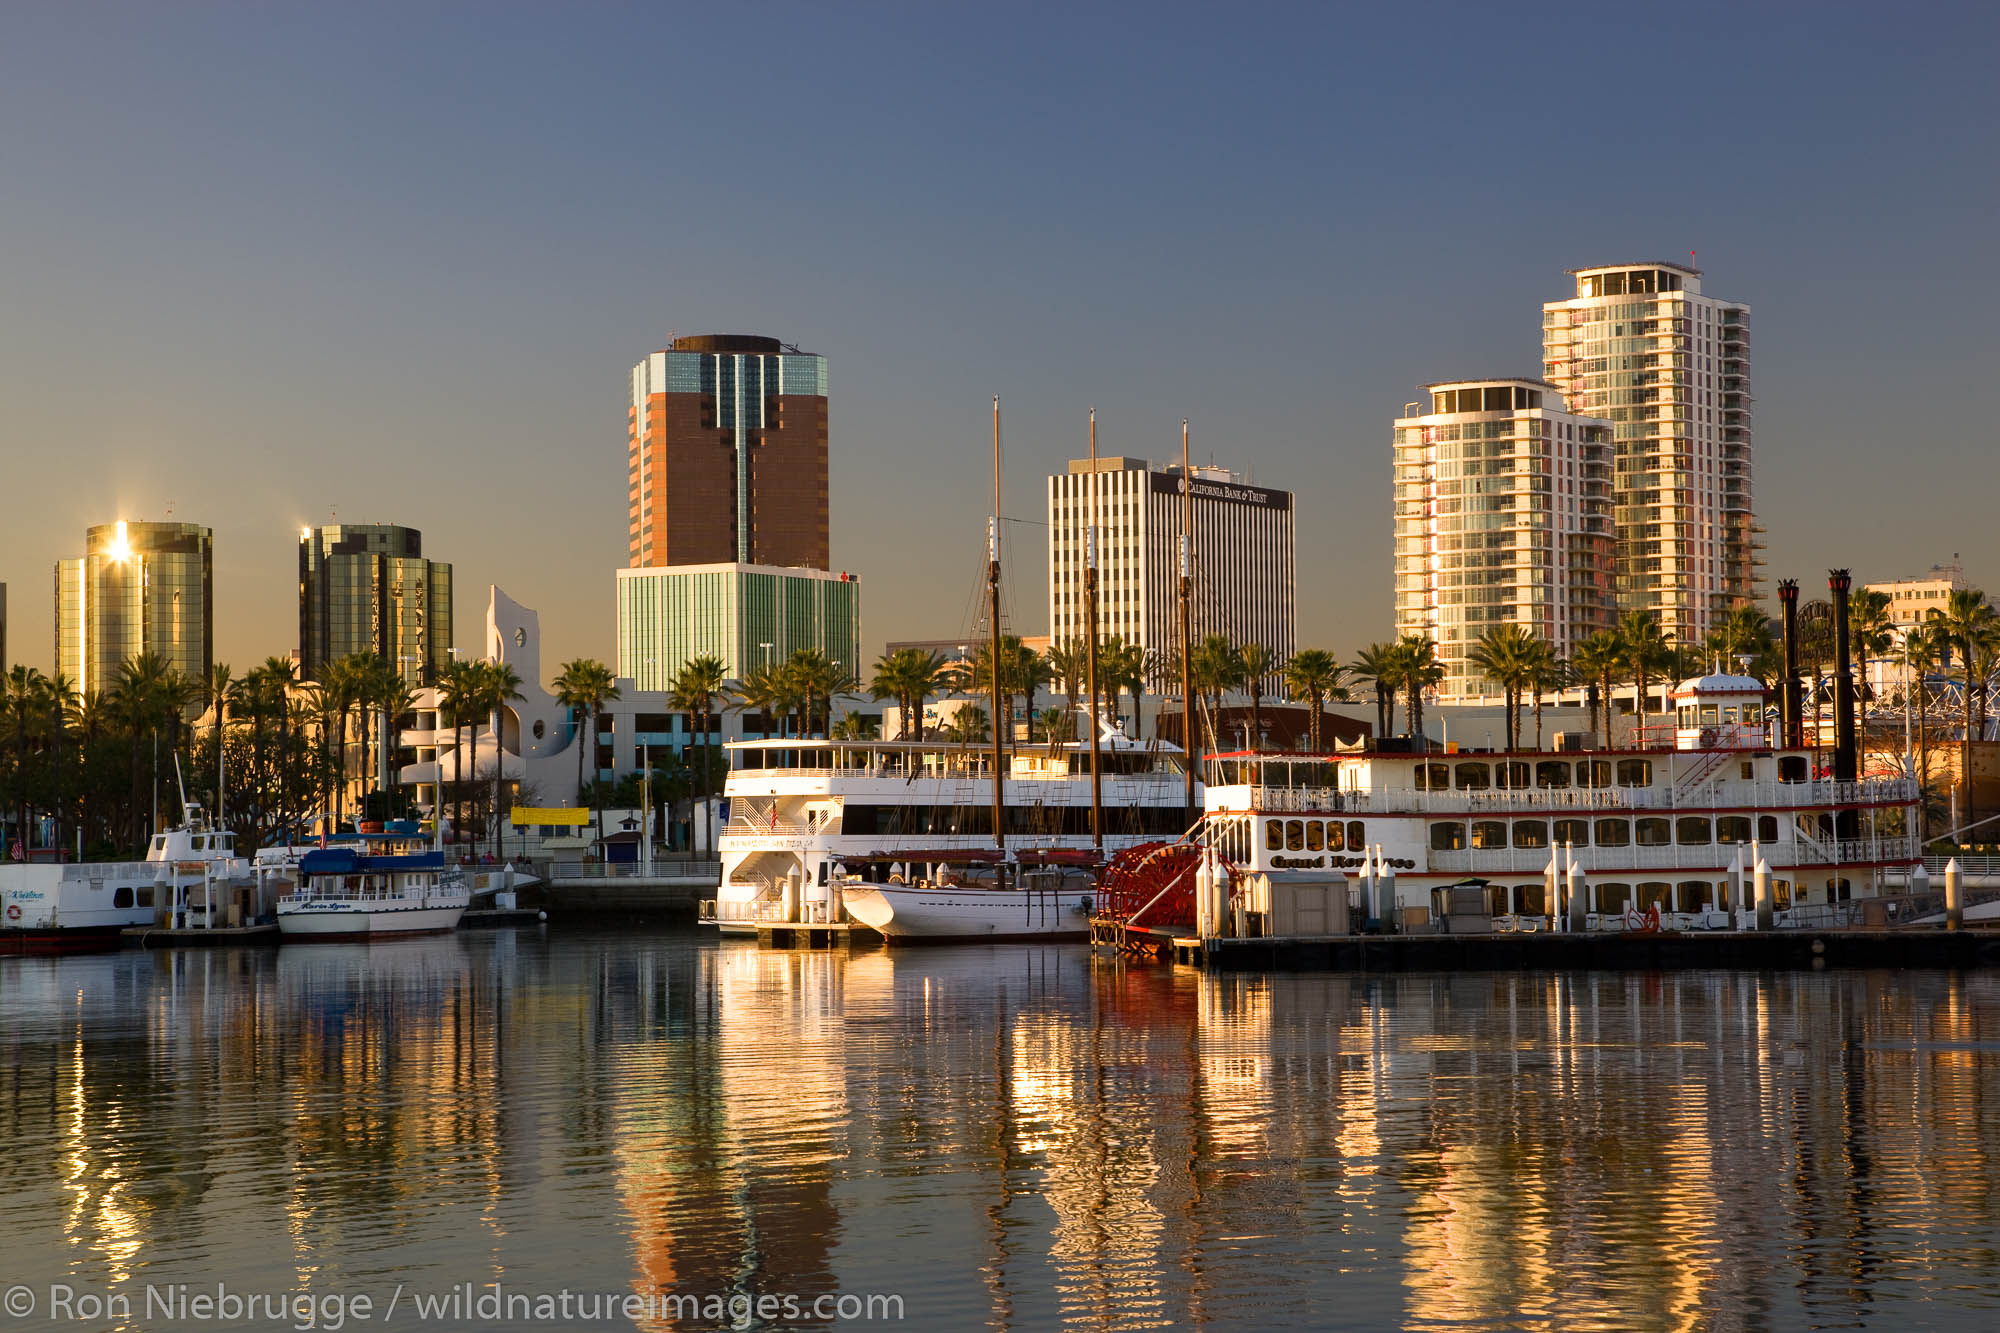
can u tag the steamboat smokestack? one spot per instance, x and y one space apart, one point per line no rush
1846 753
1791 711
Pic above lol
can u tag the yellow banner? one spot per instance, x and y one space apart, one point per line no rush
524 815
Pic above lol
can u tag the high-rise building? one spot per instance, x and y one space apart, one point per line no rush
137 588
367 588
746 615
1244 540
1669 368
1503 516
3 627
727 439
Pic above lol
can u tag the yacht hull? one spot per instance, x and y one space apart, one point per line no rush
334 920
905 914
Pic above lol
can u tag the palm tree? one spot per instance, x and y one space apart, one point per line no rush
1969 626
22 699
703 678
1376 664
146 699
1597 660
1122 668
498 687
909 676
584 686
1068 666
1550 675
458 687
1746 632
1417 669
1870 631
1506 655
1255 664
1217 667
1924 647
1645 651
1314 674
1023 671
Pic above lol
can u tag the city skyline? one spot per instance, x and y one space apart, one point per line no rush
415 272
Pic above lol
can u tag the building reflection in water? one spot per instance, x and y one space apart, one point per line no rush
1016 1137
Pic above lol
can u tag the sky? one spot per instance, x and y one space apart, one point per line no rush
286 264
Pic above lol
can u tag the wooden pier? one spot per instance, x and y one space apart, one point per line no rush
1655 951
795 935
184 937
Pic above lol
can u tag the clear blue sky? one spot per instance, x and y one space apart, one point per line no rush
272 263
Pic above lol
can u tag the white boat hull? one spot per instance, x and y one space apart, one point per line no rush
908 914
333 919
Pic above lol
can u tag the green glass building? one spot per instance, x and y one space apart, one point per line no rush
746 615
366 588
137 588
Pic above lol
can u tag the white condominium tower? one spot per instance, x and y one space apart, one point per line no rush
1244 580
1669 368
1503 515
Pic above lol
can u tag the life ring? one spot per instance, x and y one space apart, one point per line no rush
1653 918
1646 922
13 911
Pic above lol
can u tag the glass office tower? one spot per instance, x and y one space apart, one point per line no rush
138 588
366 587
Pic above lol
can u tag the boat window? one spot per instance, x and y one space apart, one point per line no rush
1448 837
1474 777
1781 894
1531 833
1684 715
1708 715
1334 841
1655 893
1767 828
1613 833
1355 834
122 895
1573 832
1528 900
1653 832
1729 715
1274 835
1512 776
1593 773
1839 890
1315 833
1496 900
1792 767
1295 835
1433 777
160 843
1691 831
1732 828
1488 834
1694 895
1635 772
146 895
1552 773
1613 897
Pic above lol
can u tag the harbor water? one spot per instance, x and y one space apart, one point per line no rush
693 1134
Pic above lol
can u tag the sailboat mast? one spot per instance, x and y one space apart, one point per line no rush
1187 623
1090 631
993 614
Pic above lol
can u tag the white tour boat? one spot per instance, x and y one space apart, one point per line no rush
823 831
191 873
393 883
1676 837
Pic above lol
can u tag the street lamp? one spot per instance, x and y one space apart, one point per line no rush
767 653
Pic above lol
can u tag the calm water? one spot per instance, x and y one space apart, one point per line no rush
1020 1137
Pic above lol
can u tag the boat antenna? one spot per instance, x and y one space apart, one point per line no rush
1090 633
180 780
993 598
1187 622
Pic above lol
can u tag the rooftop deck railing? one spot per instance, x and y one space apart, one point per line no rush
1701 796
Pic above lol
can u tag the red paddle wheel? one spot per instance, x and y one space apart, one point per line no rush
1151 885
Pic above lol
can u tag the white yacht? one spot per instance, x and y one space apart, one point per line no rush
393 883
821 832
190 872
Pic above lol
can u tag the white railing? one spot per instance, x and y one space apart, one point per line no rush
661 868
1746 795
1712 859
750 826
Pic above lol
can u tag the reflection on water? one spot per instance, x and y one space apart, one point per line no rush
1015 1137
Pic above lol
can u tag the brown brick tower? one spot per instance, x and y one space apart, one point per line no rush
727 437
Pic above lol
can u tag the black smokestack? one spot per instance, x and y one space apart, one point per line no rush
1791 708
1846 753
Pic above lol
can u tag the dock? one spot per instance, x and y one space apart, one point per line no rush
1602 950
184 937
498 918
796 935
